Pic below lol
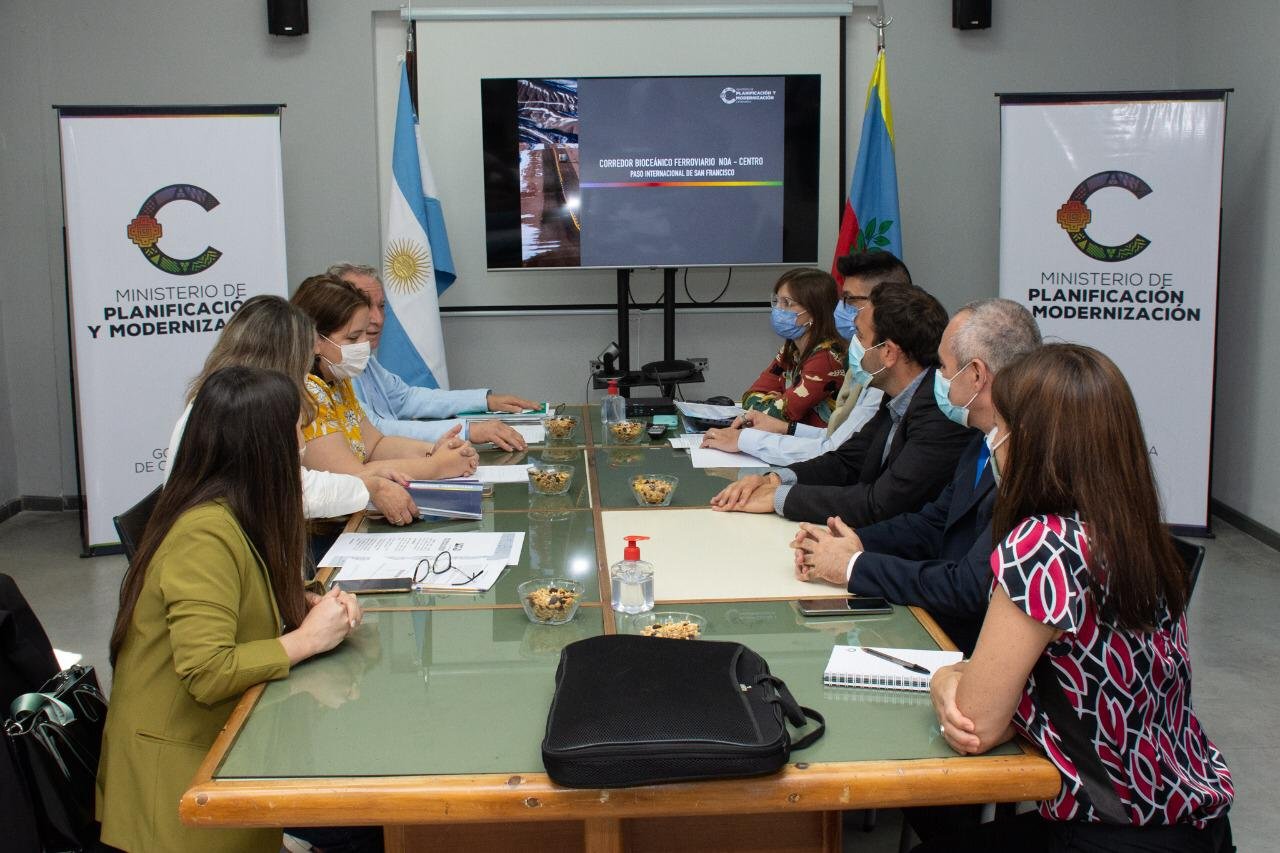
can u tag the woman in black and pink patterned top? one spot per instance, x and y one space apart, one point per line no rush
1084 645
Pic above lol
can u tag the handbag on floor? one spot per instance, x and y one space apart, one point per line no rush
632 710
55 738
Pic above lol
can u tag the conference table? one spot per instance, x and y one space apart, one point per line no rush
429 719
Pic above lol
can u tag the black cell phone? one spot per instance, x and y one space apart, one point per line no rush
857 606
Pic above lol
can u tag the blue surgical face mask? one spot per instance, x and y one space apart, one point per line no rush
844 316
942 396
786 325
856 353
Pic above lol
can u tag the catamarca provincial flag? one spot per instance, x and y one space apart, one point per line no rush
870 219
416 263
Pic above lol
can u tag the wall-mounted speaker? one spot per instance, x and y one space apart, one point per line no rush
287 17
971 14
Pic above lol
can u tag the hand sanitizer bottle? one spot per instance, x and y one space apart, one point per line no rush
631 580
613 408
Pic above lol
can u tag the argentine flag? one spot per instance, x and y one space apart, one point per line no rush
416 263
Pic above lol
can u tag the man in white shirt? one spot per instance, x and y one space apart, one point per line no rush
398 408
778 442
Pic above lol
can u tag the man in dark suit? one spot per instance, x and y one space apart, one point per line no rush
903 456
937 558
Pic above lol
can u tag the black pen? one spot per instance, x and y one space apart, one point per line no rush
914 667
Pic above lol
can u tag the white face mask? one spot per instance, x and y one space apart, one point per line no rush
355 357
992 445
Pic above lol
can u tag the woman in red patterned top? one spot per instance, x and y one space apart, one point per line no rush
1084 645
801 384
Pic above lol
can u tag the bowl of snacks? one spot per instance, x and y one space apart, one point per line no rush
550 601
550 479
630 431
560 427
669 625
653 489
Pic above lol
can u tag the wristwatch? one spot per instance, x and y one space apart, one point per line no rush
791 428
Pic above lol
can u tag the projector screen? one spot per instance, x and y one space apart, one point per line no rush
673 171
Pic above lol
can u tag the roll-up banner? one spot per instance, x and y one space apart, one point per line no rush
1109 225
174 217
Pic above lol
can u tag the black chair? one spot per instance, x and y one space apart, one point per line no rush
1192 557
132 522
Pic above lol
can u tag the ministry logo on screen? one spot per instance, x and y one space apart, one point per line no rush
145 230
1075 216
730 95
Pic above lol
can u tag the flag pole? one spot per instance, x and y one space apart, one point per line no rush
410 57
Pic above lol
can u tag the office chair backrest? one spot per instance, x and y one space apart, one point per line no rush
132 522
1192 557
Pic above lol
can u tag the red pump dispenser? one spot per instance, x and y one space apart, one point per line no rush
632 550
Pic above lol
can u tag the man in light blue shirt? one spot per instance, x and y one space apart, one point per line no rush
778 442
397 408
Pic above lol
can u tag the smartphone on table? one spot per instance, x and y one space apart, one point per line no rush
860 605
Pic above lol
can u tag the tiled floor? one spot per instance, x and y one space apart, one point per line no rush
1233 636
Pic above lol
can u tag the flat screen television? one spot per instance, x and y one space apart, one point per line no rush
619 172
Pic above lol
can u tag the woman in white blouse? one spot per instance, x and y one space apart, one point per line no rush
268 332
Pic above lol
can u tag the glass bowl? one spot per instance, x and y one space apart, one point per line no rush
630 431
550 601
560 427
669 623
550 479
654 489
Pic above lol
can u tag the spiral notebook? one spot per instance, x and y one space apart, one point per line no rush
851 666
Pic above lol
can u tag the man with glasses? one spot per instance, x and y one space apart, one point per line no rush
778 442
903 456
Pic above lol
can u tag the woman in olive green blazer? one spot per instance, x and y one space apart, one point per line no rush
217 575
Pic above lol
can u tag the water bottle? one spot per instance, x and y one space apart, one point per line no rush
613 408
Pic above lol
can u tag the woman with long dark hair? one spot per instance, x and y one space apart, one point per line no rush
801 384
212 604
1084 645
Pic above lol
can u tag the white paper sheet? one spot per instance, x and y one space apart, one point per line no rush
687 441
505 547
703 555
503 473
708 412
461 575
532 433
705 457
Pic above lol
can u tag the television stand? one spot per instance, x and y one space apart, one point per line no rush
628 378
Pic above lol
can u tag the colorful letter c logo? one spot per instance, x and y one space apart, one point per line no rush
1075 215
145 231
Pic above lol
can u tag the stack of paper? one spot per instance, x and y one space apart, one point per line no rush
440 562
708 412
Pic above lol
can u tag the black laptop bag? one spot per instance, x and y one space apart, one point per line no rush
631 710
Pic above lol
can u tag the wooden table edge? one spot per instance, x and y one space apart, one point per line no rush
798 787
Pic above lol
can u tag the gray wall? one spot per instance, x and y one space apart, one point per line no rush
8 459
182 51
1233 44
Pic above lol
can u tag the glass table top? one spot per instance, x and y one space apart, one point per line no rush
559 542
460 683
467 691
616 466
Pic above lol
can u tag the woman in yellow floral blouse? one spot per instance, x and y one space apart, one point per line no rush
341 438
801 384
